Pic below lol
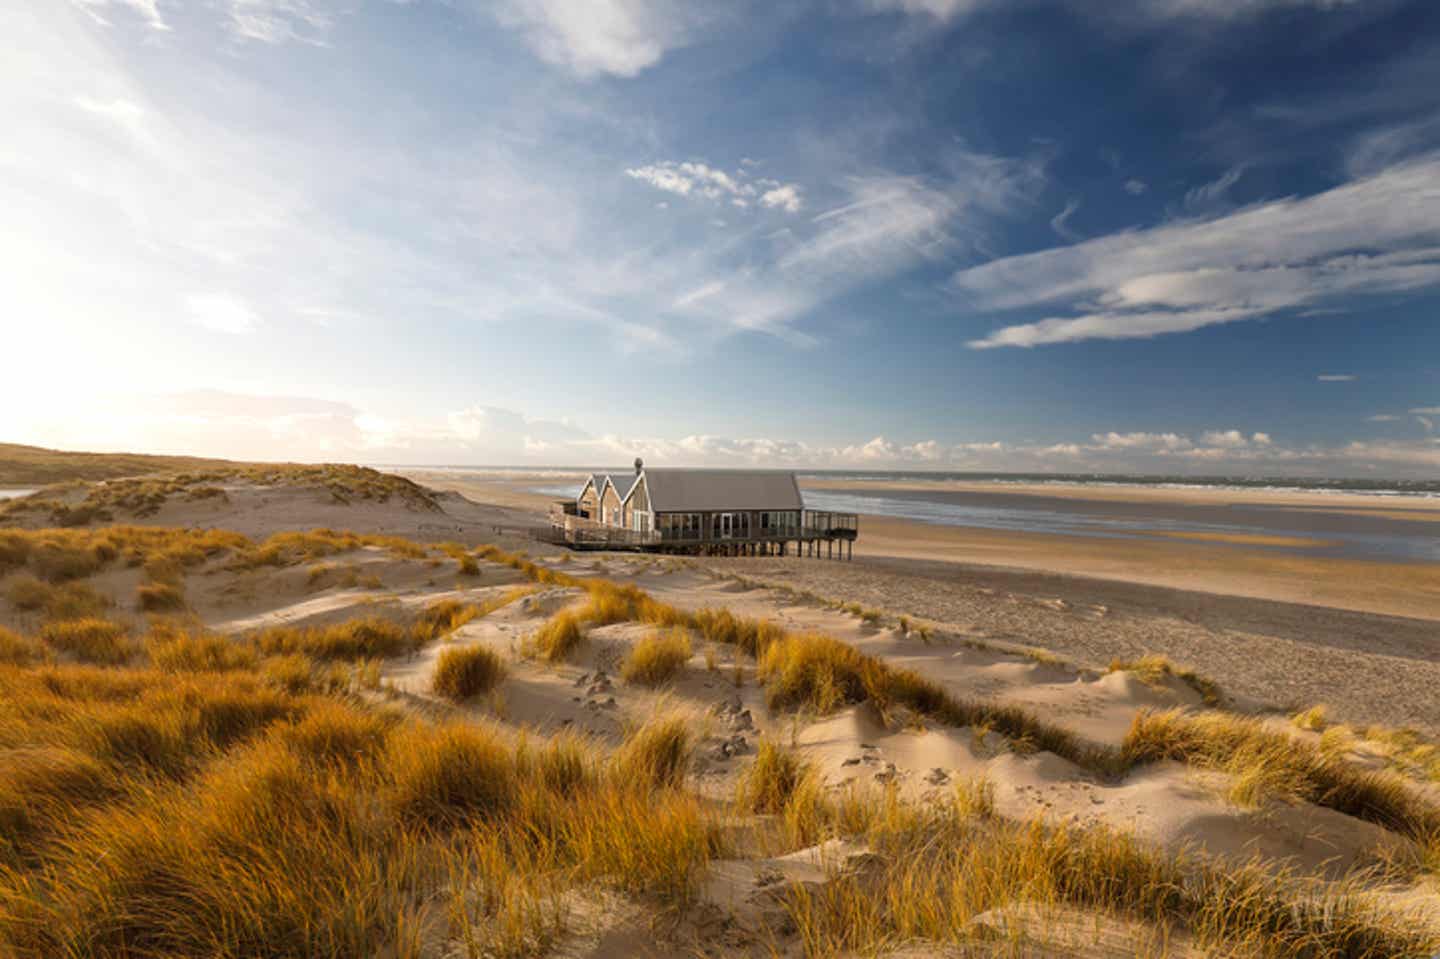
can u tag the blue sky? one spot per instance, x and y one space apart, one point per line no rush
1189 236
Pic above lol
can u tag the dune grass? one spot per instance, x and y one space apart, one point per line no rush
770 783
90 640
1267 764
657 658
465 671
657 754
212 803
71 600
17 650
556 639
940 867
372 636
1154 669
174 649
261 836
442 618
158 598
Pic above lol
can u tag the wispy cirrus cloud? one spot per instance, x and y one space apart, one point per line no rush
1336 377
1377 235
148 10
280 21
694 178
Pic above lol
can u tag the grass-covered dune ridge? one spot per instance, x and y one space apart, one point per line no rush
79 502
170 789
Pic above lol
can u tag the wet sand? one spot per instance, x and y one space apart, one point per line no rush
1281 569
1396 589
1405 507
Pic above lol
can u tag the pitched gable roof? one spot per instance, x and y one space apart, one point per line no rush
621 481
696 490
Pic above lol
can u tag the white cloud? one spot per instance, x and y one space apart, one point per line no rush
279 21
1426 410
1135 187
147 9
1382 418
942 10
1228 9
1211 194
222 313
618 37
129 116
786 198
1145 441
1283 255
1336 377
696 178
1233 439
1060 222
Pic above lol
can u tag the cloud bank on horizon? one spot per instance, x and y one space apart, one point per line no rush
1165 235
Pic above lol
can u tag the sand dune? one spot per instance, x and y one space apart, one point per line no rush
745 903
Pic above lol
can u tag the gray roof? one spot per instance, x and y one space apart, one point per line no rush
621 481
695 490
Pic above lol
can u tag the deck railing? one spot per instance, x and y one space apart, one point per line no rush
567 528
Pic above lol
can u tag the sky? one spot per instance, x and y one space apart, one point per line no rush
1165 236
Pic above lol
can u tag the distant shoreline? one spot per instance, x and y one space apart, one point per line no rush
1420 489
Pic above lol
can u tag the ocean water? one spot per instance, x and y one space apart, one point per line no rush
559 477
1352 535
1360 532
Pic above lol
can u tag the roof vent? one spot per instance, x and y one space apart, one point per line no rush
639 465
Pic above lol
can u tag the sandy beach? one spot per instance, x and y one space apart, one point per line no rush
1040 695
1275 627
1224 564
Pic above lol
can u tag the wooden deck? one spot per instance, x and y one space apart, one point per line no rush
819 531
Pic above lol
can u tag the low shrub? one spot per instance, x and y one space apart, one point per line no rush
465 671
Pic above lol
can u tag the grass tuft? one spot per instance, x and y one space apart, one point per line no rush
773 779
17 650
91 640
466 671
556 639
1154 669
158 598
657 658
656 754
